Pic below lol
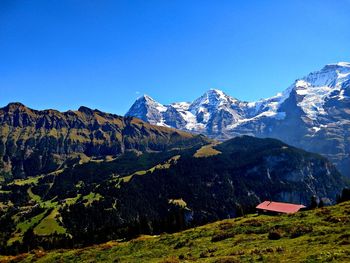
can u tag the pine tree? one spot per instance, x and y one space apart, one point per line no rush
313 203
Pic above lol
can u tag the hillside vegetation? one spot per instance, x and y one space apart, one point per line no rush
321 235
155 192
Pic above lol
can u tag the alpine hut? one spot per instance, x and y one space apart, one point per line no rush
270 207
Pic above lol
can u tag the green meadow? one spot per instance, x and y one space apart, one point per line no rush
320 235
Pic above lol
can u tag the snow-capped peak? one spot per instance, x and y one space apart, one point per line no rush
146 97
148 109
331 75
212 98
217 93
216 110
150 102
316 87
340 64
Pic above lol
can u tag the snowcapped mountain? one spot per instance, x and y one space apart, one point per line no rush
148 109
204 115
319 86
313 113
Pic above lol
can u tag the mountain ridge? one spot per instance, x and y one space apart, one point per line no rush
321 100
34 142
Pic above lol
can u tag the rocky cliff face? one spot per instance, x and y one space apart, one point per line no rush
34 142
313 113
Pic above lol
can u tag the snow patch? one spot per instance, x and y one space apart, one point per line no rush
341 64
181 105
342 96
316 129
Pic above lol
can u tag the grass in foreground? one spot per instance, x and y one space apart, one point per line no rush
321 235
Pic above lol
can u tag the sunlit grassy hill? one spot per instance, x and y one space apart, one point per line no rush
321 235
34 142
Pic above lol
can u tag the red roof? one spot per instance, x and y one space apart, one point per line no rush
280 207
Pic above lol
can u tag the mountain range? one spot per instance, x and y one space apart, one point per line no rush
34 142
313 114
69 179
75 178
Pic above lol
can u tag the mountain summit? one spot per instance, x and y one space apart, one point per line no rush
146 108
313 113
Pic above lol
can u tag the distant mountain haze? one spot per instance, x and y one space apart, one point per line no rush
313 113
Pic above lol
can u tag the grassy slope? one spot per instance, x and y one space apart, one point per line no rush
49 225
321 235
207 150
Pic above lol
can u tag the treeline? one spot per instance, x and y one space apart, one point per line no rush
91 225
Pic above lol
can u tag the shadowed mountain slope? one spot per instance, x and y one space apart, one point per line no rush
151 192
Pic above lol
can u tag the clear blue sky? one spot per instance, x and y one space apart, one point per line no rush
66 53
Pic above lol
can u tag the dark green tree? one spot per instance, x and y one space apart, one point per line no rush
313 203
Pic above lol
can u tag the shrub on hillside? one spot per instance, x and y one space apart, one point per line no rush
226 226
300 230
218 236
275 234
170 260
183 243
323 212
252 222
227 260
337 219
